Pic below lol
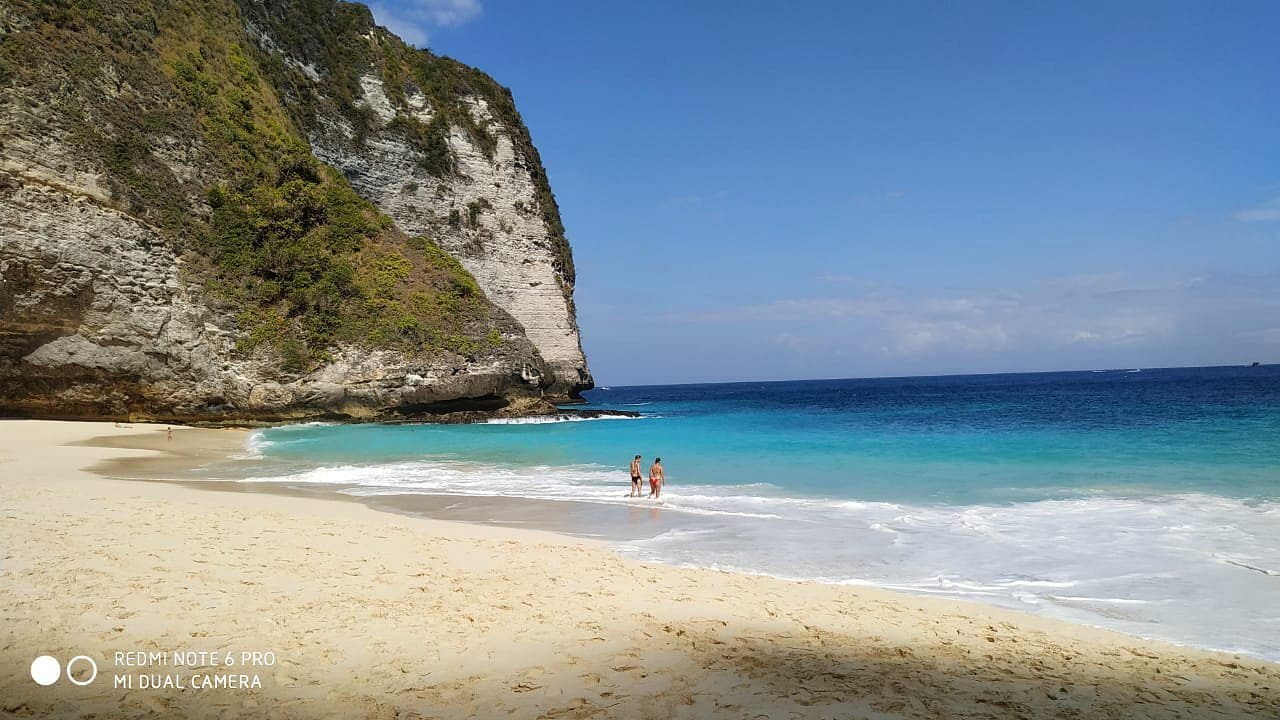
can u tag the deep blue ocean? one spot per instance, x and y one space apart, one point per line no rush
1143 501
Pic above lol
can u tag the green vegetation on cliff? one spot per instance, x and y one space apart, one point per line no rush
303 260
343 41
313 265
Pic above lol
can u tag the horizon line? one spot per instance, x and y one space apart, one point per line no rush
928 375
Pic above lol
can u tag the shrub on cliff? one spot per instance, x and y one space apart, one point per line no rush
304 263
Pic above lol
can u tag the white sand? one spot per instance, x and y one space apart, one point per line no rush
376 615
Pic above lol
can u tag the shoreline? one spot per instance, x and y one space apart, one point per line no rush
473 618
516 514
628 527
564 518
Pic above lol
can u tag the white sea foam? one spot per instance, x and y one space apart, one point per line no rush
451 477
254 445
1115 601
548 419
1154 566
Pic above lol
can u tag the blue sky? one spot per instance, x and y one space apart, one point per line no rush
764 190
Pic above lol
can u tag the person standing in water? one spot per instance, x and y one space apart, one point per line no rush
635 477
656 476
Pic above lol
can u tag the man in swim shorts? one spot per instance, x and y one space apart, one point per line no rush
656 477
635 477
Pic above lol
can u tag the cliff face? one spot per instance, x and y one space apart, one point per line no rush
441 149
174 242
487 216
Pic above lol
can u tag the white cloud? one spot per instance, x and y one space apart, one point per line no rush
968 304
448 13
1104 319
1090 282
1268 211
911 336
1099 320
1124 326
695 199
826 307
1095 312
413 19
881 197
685 200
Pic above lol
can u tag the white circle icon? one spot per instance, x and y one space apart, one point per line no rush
45 670
92 676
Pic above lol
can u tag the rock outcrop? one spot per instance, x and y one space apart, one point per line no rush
387 127
171 248
97 321
499 233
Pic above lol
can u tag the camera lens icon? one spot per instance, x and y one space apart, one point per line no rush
46 670
93 670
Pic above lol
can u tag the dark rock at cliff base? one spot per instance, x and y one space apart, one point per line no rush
587 413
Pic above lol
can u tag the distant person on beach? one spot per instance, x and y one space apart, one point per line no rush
168 433
635 477
656 477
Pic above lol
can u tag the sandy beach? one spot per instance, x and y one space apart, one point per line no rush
357 613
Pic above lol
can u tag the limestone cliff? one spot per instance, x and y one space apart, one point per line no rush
175 244
440 148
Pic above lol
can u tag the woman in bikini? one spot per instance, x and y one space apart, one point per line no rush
656 477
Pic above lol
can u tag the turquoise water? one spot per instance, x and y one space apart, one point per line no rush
1141 501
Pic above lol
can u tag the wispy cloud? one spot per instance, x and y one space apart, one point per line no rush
1097 320
413 20
1268 211
1090 282
1089 314
695 199
839 278
883 197
685 200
